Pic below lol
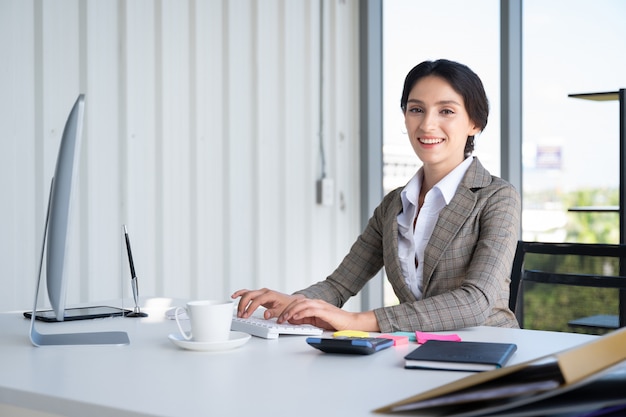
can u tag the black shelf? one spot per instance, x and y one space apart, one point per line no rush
606 96
621 209
595 209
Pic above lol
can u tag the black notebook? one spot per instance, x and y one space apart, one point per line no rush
460 356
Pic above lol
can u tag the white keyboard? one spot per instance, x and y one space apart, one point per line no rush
270 329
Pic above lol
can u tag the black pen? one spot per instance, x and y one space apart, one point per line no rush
133 278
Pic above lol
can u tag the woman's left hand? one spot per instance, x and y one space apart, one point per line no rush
326 316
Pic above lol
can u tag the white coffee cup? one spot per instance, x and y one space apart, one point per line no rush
210 320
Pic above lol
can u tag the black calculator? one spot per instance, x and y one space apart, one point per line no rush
352 345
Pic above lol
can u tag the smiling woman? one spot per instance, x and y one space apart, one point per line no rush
446 240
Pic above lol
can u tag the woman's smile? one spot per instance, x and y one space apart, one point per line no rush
429 140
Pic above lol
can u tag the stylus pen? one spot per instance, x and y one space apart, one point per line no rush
133 276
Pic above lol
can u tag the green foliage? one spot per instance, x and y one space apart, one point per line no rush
593 227
551 307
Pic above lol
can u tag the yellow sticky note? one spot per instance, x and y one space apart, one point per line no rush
351 333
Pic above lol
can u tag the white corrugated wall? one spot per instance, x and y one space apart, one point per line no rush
202 135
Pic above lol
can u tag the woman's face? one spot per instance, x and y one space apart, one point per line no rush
437 123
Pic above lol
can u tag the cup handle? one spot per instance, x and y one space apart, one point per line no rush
183 333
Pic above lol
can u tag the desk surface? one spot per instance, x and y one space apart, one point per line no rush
153 377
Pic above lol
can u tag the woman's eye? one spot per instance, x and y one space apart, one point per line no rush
447 111
415 110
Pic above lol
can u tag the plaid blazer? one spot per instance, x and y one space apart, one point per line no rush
467 262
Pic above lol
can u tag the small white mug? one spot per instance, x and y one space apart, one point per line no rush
210 320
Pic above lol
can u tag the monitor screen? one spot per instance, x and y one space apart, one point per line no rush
56 241
65 175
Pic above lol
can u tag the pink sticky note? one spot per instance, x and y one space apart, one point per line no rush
423 337
397 340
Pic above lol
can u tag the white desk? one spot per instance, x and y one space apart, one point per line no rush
153 377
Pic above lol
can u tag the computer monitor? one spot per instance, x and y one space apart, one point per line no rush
61 207
56 233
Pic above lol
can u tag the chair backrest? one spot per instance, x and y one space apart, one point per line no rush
585 271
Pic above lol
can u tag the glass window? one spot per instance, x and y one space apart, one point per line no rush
570 146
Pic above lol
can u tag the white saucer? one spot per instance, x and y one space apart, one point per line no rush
235 339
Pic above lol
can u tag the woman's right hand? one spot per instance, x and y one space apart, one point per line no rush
274 302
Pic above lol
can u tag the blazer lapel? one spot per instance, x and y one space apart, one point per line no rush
453 216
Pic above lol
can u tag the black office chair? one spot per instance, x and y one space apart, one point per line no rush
541 271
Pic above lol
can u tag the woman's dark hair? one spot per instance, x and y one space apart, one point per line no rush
463 80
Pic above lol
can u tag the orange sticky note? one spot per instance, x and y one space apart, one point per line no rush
397 340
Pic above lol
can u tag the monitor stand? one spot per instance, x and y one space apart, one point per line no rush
59 339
